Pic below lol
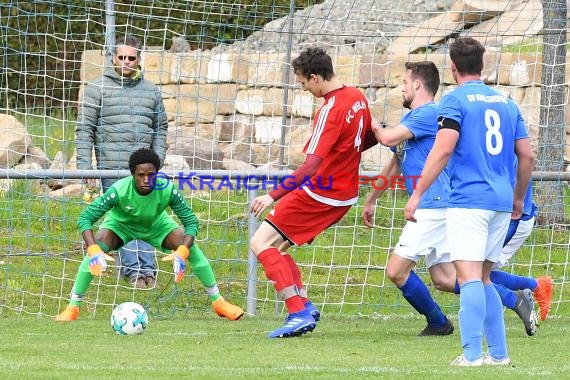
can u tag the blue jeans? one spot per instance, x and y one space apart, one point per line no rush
107 183
137 259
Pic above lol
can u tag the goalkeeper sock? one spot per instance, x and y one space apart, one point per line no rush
277 270
82 282
203 270
508 297
494 325
471 318
296 276
513 281
213 292
418 295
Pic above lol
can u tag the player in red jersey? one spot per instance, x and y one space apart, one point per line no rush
320 192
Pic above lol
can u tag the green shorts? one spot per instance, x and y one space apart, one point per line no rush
154 236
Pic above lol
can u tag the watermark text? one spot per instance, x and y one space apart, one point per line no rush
342 181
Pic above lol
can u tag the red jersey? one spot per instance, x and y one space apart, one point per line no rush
338 137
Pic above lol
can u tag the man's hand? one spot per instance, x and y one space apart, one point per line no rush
376 125
368 214
98 260
261 203
517 210
178 258
377 129
411 207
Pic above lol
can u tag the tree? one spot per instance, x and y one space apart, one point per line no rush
550 195
41 42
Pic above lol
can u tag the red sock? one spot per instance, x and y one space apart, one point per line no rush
277 270
296 273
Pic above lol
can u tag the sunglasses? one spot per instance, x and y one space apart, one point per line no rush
131 58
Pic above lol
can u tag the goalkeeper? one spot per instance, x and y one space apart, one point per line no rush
137 210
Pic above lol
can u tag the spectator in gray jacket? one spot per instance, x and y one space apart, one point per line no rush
120 113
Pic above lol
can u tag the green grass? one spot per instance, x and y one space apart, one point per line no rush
343 269
527 45
206 347
51 133
368 330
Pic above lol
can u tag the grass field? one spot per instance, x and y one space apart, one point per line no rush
343 269
368 330
203 346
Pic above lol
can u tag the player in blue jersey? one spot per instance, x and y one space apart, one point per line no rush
481 133
541 287
516 292
411 142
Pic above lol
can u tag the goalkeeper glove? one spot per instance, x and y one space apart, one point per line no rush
178 258
98 260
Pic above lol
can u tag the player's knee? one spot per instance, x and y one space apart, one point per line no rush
259 243
444 284
438 285
397 275
256 245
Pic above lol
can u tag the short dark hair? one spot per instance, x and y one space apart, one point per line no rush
467 55
313 61
129 40
426 72
143 156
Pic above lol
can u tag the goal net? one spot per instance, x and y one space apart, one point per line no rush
234 107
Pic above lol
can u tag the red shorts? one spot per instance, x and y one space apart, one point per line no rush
299 218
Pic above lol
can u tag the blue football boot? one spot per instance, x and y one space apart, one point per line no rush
296 324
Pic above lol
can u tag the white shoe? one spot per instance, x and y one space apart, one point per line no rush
460 361
489 360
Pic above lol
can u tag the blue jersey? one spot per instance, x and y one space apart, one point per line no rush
412 154
529 211
481 167
529 207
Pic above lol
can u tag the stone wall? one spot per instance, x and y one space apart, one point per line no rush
234 100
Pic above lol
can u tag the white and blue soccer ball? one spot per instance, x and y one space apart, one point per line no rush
129 318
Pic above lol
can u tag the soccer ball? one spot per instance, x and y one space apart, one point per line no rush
129 318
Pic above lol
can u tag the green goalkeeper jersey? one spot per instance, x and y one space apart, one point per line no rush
123 204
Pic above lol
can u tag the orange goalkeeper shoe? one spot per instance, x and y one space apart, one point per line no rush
70 314
225 309
543 295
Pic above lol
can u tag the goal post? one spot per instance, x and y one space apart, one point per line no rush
235 109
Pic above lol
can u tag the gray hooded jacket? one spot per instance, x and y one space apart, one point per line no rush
118 116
